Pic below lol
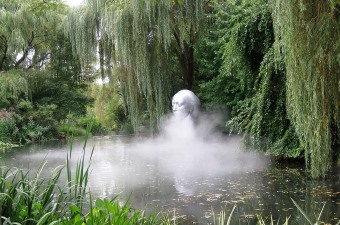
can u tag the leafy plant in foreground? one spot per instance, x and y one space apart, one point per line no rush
25 200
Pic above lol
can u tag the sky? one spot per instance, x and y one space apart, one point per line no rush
73 2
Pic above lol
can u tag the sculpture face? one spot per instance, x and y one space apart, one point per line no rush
185 103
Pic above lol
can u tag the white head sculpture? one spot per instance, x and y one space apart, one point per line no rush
186 103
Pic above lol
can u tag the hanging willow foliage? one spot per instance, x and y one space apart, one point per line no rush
134 38
142 40
25 30
13 86
307 34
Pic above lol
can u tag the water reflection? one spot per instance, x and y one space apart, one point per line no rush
190 179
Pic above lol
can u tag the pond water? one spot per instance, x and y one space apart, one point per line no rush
191 179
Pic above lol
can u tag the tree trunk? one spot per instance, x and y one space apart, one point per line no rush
186 61
187 66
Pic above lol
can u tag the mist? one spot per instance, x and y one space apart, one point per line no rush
190 149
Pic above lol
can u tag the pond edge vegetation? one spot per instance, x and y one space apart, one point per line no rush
39 201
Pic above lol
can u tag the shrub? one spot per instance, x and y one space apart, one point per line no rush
31 124
72 130
97 127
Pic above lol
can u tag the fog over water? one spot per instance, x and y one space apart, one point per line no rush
188 169
184 152
187 149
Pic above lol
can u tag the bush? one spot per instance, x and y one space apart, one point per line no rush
97 127
26 123
35 123
71 129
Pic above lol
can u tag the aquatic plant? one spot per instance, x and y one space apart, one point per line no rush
26 200
308 218
222 219
111 212
38 201
77 186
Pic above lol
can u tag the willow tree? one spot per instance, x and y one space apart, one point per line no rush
26 29
307 34
142 41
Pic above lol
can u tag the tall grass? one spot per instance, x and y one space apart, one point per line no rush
25 200
222 218
77 186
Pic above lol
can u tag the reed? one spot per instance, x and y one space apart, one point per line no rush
221 218
25 200
77 185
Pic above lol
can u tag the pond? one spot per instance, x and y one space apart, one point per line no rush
192 179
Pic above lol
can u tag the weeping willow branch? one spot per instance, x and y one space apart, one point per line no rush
13 86
307 33
26 27
135 38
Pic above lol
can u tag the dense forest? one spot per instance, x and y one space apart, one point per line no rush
272 67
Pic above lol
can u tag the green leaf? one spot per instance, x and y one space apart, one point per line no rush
44 218
100 204
37 206
74 209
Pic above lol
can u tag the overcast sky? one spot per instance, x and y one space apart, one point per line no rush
73 2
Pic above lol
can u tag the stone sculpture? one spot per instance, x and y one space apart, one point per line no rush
185 103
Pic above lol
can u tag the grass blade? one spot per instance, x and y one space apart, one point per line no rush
44 218
232 211
302 212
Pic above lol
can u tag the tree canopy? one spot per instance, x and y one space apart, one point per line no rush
149 45
41 81
276 65
271 66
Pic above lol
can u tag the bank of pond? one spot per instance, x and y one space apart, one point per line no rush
135 180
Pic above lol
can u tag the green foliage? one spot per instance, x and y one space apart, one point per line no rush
244 35
308 218
13 87
35 123
27 123
63 84
97 127
72 129
25 32
25 200
250 80
108 107
8 129
263 117
140 38
36 63
77 181
221 219
307 35
208 54
111 212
